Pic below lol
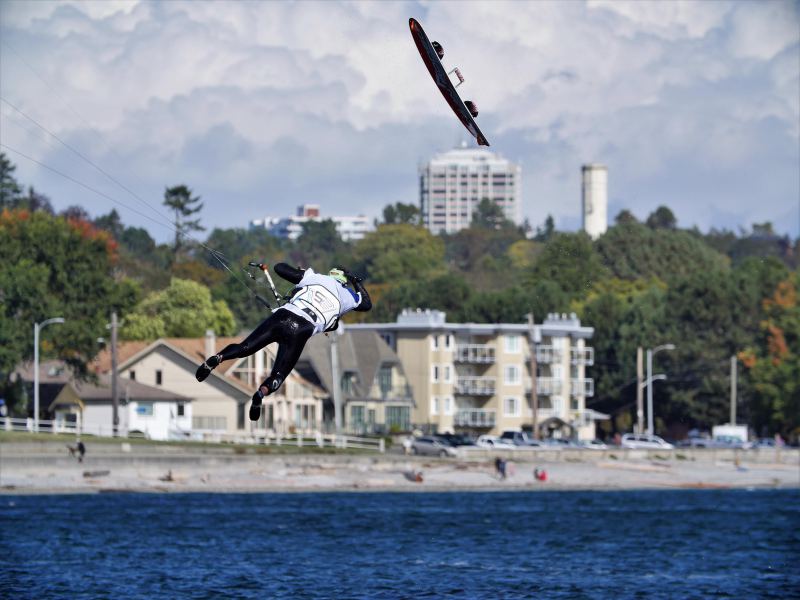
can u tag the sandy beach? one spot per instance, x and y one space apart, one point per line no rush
48 468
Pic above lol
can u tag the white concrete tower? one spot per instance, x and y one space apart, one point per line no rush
595 200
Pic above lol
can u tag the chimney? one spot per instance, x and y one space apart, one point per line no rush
211 343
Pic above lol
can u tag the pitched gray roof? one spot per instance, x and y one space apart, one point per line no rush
361 352
128 389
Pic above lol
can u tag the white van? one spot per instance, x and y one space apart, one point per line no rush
644 441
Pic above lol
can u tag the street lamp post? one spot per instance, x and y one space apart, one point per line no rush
36 328
650 353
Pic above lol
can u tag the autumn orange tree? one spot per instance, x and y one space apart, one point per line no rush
774 364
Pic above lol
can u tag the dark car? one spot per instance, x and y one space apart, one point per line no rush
456 439
520 438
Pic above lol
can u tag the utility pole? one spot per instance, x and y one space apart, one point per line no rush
733 389
639 392
336 391
114 390
534 391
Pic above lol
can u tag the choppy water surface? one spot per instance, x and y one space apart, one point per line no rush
658 544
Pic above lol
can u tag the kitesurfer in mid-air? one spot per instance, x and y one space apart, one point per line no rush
315 306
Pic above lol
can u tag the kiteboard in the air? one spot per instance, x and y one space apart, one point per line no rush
432 53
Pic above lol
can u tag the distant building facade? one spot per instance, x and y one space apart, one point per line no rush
452 184
349 228
476 378
594 195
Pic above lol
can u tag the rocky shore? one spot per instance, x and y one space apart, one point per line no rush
34 468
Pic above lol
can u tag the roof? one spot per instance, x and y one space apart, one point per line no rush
50 371
128 389
193 349
361 351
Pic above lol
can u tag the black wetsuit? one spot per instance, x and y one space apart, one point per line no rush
288 329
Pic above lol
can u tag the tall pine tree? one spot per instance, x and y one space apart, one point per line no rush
180 199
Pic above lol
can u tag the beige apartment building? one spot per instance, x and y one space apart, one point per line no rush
476 378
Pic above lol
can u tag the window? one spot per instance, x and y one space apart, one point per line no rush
356 415
385 380
511 407
348 382
132 375
448 405
240 415
398 418
435 342
512 344
434 405
212 423
181 409
158 377
448 376
511 374
435 373
370 416
448 341
144 409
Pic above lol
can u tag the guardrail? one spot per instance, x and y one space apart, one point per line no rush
300 440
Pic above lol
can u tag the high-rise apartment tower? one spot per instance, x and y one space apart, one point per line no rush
452 185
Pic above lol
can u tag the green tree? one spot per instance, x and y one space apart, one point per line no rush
662 218
10 190
545 232
184 309
180 200
53 267
570 261
635 251
489 215
399 213
319 246
396 253
625 217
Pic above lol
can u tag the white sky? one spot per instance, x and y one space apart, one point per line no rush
262 106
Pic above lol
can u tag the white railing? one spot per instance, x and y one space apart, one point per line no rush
581 387
582 356
547 354
546 386
475 353
300 440
475 417
475 386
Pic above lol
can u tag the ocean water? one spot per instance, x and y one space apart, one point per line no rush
643 544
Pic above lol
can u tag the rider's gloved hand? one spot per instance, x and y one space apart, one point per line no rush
352 276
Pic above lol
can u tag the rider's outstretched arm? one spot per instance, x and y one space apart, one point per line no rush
358 285
289 273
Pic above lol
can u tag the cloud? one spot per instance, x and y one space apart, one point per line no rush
261 106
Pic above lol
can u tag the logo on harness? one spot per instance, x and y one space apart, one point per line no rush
319 303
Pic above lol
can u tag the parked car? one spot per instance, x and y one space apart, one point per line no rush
644 441
492 441
432 446
455 439
559 443
519 438
593 445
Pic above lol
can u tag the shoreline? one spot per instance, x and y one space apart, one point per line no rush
36 470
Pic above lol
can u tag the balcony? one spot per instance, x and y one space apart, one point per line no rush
546 386
474 417
582 356
475 354
581 387
475 386
396 392
547 354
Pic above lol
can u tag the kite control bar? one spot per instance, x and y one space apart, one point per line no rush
265 269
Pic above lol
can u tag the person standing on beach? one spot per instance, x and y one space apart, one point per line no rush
315 306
